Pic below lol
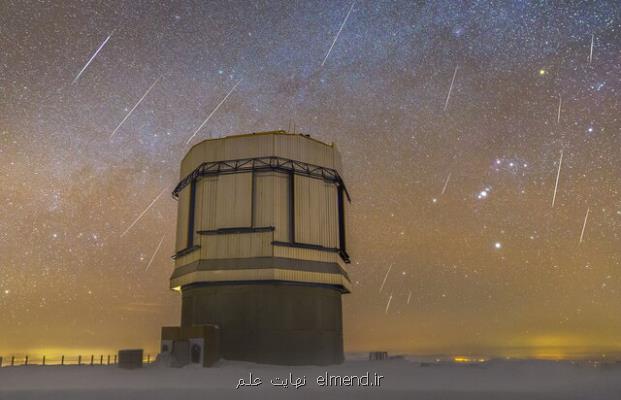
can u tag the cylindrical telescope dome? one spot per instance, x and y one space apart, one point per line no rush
261 246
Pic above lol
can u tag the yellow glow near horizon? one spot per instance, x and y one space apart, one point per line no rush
464 359
35 355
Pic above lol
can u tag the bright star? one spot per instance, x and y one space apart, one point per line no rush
498 245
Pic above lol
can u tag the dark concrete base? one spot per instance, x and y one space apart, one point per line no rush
270 322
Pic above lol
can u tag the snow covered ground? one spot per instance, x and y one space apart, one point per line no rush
403 379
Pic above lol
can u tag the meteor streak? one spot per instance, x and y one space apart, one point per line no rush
338 33
446 183
91 59
213 112
388 304
584 224
135 106
155 253
144 212
558 174
383 283
448 96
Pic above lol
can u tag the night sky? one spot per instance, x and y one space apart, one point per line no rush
451 120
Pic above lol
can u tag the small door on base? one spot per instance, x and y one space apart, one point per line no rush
181 353
196 353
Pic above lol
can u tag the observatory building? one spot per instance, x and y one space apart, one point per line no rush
260 251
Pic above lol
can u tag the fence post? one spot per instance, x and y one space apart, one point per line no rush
148 358
108 359
92 358
101 359
62 360
0 362
79 360
43 360
115 359
26 361
12 361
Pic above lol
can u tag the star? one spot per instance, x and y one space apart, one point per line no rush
483 193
